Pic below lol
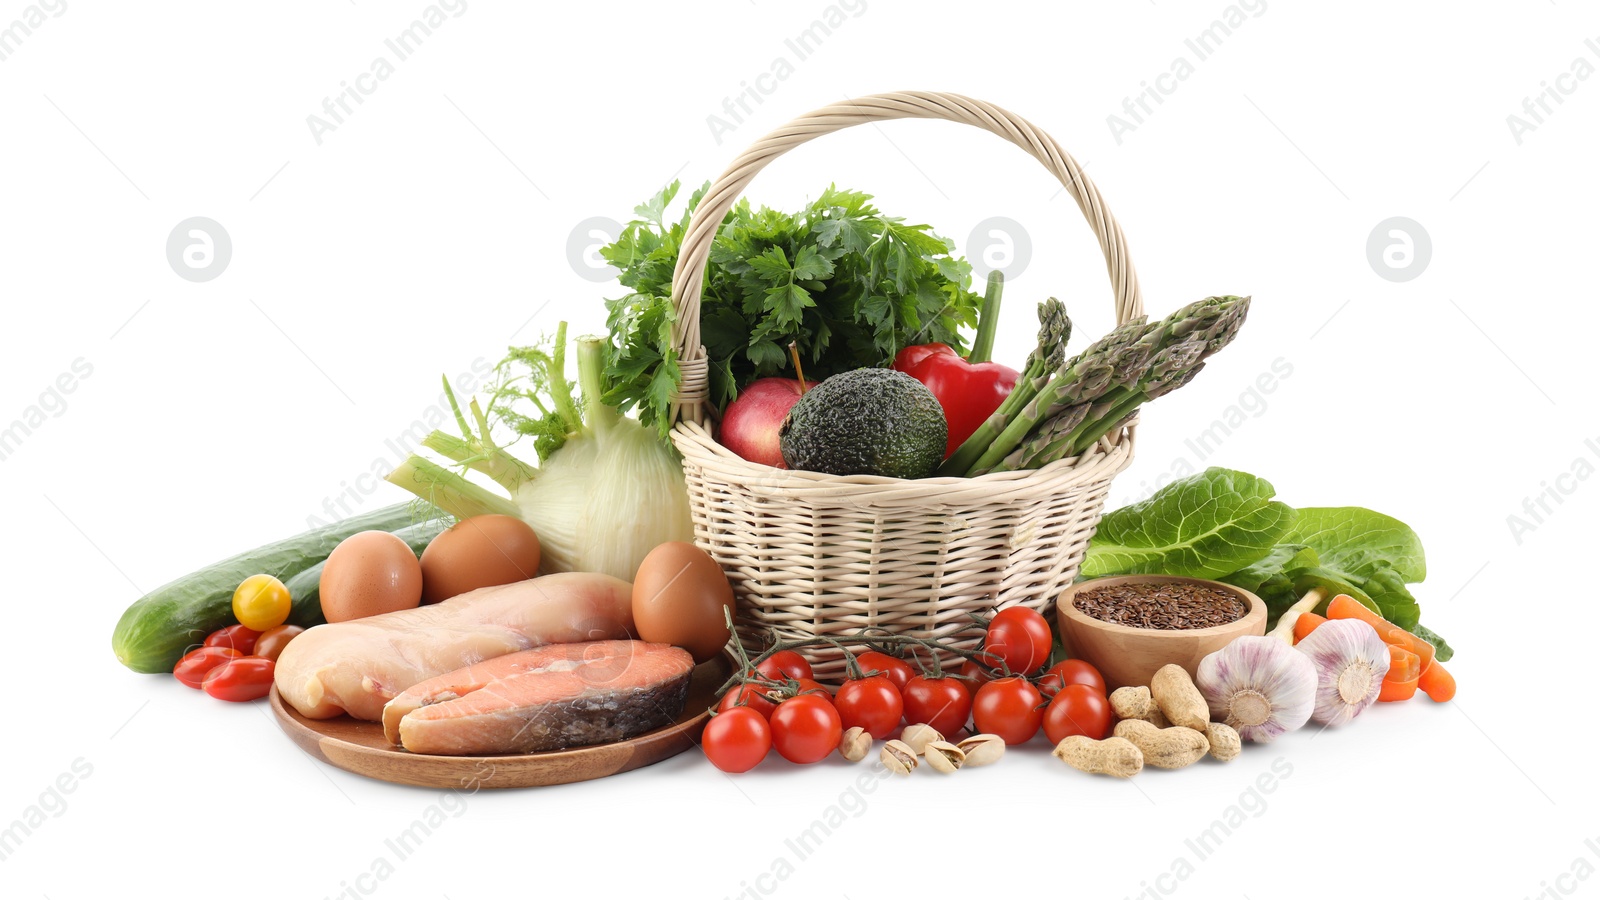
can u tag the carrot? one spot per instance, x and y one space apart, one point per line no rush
1403 664
1432 671
1345 606
1405 668
1438 684
1306 624
1397 690
1420 647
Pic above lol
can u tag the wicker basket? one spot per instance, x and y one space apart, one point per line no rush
829 555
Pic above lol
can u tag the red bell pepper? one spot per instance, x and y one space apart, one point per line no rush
969 392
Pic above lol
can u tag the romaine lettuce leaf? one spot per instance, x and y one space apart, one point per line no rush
1359 541
1224 524
1268 577
1204 526
1441 648
1392 598
1367 550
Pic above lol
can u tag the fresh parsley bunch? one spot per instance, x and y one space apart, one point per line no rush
850 285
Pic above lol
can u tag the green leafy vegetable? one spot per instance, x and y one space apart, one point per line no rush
1370 551
1203 526
849 284
1220 524
1441 649
1280 580
1281 557
1361 541
1268 577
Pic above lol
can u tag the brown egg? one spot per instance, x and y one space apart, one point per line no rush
479 552
679 595
367 574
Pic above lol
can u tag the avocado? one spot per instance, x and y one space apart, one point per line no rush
865 422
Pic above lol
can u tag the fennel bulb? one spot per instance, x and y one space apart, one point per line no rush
608 490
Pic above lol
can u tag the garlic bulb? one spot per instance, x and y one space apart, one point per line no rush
1351 661
1259 686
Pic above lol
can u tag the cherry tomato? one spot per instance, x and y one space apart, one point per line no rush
261 602
1008 707
272 641
238 637
750 696
785 664
943 703
1077 709
192 669
805 729
736 740
873 703
1070 671
239 680
976 675
817 688
898 671
1018 637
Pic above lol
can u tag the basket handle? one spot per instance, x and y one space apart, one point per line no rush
689 276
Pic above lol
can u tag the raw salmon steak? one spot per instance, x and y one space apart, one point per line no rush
549 698
357 666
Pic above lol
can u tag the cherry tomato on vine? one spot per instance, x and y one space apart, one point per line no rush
736 740
1019 637
751 696
192 669
1077 709
238 637
945 703
873 703
240 680
815 688
1070 671
785 664
1008 707
805 729
976 675
898 671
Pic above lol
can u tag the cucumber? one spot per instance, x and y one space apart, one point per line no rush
306 587
157 629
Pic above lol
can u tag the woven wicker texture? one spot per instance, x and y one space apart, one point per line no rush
826 555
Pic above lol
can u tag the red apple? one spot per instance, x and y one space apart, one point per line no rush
750 423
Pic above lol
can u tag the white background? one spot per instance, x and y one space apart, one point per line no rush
426 230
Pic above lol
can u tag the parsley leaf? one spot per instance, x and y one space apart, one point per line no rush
850 285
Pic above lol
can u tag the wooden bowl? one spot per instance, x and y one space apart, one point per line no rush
1130 656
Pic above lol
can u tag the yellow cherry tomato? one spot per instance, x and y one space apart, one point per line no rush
261 602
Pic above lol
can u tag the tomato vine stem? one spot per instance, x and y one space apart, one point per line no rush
745 671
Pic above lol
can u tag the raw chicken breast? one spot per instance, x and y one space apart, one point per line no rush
563 695
356 667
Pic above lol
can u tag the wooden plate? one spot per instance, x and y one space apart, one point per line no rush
360 747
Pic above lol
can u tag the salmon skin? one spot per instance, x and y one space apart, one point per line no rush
548 698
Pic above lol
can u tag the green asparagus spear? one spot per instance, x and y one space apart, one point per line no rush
1170 369
1085 378
1050 442
1110 380
1055 328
